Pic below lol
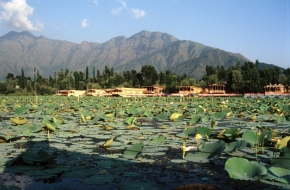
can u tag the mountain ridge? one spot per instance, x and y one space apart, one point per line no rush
24 50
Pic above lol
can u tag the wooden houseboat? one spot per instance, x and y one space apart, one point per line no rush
275 89
216 89
153 90
70 93
127 92
188 90
95 92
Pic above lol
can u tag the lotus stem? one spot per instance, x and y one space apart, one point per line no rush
183 149
257 143
48 135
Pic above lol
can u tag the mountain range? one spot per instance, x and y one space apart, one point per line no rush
165 52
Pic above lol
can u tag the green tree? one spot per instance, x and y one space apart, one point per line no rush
149 74
237 81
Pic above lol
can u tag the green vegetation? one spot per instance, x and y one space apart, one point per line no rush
103 140
246 78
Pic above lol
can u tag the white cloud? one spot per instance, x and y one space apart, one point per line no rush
85 23
15 14
118 10
138 13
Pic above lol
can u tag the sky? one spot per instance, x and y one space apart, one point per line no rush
257 29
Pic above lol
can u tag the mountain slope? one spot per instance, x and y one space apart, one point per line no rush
23 50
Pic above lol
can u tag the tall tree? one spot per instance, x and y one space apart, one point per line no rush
149 74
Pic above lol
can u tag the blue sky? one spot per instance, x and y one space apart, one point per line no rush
258 29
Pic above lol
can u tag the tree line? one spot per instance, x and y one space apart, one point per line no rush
240 78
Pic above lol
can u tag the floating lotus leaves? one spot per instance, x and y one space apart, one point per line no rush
284 160
207 152
250 136
241 168
48 124
148 113
133 151
130 120
265 136
232 146
281 175
204 131
229 134
187 131
194 119
157 140
40 156
20 110
218 115
162 116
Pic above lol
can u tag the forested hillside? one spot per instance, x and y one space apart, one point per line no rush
238 79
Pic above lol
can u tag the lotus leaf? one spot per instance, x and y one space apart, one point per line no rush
187 131
207 152
284 160
241 168
148 113
205 118
133 111
232 146
162 116
48 124
131 120
194 119
265 136
230 134
218 115
20 110
250 136
279 174
133 151
38 157
204 131
158 140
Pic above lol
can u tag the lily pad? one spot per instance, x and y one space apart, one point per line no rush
38 157
133 151
241 168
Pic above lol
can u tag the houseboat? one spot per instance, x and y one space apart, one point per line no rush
189 90
70 93
153 90
95 92
127 92
275 89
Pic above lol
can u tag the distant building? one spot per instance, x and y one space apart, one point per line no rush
95 92
187 90
70 93
127 92
153 90
275 89
216 89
